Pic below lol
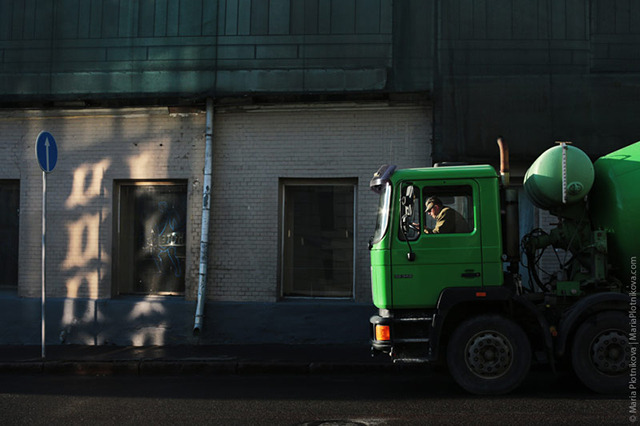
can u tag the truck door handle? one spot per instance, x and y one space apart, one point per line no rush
470 274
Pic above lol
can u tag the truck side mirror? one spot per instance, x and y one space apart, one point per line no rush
407 201
409 196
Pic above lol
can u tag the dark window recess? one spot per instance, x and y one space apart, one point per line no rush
9 233
152 238
318 235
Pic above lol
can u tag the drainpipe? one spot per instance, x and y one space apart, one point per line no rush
204 230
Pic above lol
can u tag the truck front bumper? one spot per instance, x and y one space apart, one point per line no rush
380 333
403 334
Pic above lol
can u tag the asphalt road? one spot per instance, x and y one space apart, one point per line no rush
329 399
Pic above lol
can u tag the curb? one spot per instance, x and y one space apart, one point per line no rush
145 367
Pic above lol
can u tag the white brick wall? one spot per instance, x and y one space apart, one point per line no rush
94 148
253 150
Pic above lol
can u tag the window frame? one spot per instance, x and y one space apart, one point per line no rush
287 182
447 186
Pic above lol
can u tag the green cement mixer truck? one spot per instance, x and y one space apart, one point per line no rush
446 270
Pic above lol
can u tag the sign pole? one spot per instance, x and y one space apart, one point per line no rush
43 266
47 156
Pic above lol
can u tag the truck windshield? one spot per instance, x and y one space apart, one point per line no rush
382 221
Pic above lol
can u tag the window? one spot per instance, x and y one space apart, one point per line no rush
9 235
151 233
317 238
382 218
455 212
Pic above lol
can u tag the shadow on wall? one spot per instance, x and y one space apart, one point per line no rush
86 258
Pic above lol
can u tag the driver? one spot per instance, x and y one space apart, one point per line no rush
448 221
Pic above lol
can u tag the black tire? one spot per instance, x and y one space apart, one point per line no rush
601 352
489 355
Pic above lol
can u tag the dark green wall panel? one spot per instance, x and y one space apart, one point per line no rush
532 70
71 40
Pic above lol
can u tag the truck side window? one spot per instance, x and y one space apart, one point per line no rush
448 209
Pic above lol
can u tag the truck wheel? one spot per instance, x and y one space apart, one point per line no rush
601 352
489 355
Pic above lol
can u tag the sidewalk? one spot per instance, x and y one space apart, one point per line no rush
191 359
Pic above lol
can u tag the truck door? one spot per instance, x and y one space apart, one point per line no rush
449 255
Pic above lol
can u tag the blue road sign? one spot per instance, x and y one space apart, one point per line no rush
46 151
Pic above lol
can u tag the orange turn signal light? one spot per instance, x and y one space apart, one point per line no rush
383 332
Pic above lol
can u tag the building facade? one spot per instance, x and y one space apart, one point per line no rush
309 98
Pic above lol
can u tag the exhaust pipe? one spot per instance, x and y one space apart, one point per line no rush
511 236
504 161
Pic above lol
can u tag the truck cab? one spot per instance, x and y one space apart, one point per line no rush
412 265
